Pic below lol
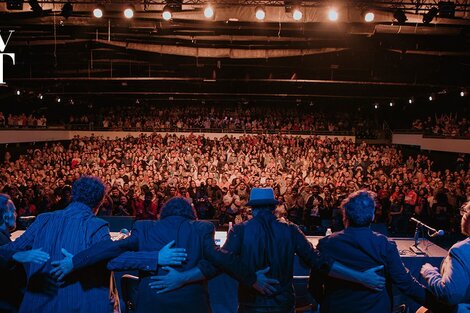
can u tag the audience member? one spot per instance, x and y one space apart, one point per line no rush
315 171
444 124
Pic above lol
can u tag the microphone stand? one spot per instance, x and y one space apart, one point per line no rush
415 247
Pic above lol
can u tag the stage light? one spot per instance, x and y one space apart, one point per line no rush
333 15
129 12
391 104
98 12
369 17
446 9
410 100
167 13
58 99
18 92
35 6
209 12
40 97
289 5
400 16
67 10
260 13
297 14
428 17
431 98
14 4
462 93
376 106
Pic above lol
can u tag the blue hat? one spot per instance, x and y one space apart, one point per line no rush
262 197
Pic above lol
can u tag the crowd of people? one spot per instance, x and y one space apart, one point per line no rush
242 117
310 177
22 120
229 118
444 125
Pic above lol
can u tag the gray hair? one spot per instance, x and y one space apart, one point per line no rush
359 208
6 206
466 219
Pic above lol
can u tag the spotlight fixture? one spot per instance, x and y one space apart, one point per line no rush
297 14
35 7
40 96
391 103
410 100
58 99
289 5
98 12
400 16
167 13
260 13
428 17
333 15
369 17
209 12
67 10
376 106
129 12
446 9
431 97
14 4
462 93
18 92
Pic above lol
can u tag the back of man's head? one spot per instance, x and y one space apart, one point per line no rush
359 208
88 190
178 206
7 212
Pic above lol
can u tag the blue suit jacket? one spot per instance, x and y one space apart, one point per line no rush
361 249
146 238
452 283
75 228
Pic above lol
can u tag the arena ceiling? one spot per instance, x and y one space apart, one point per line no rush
235 55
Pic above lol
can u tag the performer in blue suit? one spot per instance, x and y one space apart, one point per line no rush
64 232
177 224
360 248
452 283
75 228
267 241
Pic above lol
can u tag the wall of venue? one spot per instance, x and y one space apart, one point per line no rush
21 136
458 145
